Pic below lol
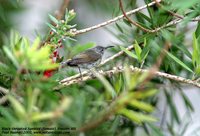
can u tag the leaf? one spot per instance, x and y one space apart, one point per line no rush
171 129
155 130
184 50
35 44
107 85
144 16
6 114
141 105
172 106
137 117
18 107
4 68
119 28
53 19
182 5
128 52
42 116
187 102
11 56
66 14
196 54
146 94
38 116
32 99
138 51
118 83
52 27
127 22
197 32
179 61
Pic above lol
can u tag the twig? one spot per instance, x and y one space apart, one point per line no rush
133 22
120 69
3 91
110 110
173 22
60 13
176 21
76 32
171 12
180 18
156 66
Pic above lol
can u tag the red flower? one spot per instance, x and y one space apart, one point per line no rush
48 73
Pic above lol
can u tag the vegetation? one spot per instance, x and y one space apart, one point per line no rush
131 95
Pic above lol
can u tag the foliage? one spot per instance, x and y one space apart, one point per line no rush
117 105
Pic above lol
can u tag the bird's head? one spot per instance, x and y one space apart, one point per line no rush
101 49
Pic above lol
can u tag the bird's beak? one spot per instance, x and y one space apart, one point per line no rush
109 47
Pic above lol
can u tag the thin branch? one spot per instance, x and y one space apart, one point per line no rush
173 22
60 13
3 91
156 66
105 115
180 18
110 111
120 69
133 22
171 12
76 32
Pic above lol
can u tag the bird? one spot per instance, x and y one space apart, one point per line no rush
87 59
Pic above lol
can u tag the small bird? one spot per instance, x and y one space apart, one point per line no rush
87 59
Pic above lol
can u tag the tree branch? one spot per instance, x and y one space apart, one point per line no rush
133 22
173 22
120 69
60 13
76 32
3 91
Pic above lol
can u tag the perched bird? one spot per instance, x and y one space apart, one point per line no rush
87 59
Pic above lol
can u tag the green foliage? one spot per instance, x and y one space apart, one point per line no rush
196 55
26 56
60 28
6 23
127 103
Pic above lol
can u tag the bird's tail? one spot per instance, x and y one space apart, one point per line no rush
67 63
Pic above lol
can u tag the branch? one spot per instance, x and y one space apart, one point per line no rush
76 32
60 13
120 69
156 66
3 91
133 22
180 18
173 22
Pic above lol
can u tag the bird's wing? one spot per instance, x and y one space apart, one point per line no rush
88 56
